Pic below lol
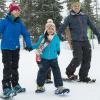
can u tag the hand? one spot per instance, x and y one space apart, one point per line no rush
28 48
50 37
98 41
61 37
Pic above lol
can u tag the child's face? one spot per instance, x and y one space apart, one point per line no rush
50 30
15 13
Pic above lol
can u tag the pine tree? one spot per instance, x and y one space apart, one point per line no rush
2 8
88 9
36 12
96 9
45 9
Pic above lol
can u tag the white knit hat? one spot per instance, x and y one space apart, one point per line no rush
50 24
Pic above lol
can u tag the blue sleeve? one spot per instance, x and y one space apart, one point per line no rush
36 45
93 27
26 35
63 26
1 26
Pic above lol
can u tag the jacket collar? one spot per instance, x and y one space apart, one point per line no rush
12 18
74 13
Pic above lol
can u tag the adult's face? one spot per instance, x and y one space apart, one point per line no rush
76 7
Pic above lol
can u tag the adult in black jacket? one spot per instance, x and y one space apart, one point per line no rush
78 22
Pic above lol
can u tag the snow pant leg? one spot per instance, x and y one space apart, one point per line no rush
49 70
77 58
56 73
49 74
42 73
15 62
85 66
6 59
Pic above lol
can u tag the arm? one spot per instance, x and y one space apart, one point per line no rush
1 26
63 26
26 36
95 31
36 45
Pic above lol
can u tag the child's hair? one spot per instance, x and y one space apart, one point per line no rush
45 36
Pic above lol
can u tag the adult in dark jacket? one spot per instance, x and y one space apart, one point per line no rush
78 22
11 28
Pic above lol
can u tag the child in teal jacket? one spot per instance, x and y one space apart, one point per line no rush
50 44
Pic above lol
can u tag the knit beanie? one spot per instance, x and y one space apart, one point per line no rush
50 24
14 6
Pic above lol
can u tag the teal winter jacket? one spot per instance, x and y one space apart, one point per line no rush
51 50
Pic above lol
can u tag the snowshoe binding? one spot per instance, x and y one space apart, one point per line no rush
40 89
61 90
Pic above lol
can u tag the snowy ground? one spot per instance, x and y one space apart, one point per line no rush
79 91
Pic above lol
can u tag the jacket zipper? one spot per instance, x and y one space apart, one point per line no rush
81 25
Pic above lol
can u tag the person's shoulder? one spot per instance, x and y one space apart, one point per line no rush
42 35
3 21
57 37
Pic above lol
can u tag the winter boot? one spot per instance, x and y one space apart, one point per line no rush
61 90
87 80
19 89
40 89
48 81
73 77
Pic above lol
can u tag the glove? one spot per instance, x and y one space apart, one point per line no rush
28 48
98 41
61 37
58 52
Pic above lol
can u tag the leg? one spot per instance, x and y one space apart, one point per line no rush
85 66
56 73
49 74
15 61
6 59
42 73
49 70
39 64
77 58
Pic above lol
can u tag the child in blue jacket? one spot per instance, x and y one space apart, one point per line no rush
11 28
50 44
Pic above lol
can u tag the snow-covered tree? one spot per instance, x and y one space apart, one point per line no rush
36 12
2 8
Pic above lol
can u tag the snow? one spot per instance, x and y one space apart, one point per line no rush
78 91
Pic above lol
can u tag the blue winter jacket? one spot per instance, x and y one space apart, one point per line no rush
50 51
78 24
11 31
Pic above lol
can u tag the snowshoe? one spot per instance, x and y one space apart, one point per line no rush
87 80
48 81
4 96
71 78
19 89
61 90
7 93
40 89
